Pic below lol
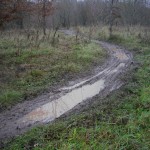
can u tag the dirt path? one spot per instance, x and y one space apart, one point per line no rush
49 106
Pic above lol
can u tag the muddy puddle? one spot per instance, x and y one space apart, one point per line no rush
56 108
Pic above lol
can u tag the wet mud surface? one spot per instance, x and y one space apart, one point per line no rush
52 105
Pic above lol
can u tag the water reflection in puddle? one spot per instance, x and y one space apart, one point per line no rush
56 108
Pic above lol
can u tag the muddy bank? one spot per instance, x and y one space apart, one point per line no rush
52 105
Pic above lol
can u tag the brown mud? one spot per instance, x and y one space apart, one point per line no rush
50 106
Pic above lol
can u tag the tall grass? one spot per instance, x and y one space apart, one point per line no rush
140 33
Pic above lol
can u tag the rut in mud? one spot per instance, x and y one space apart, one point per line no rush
50 106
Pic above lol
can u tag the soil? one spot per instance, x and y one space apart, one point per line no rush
29 114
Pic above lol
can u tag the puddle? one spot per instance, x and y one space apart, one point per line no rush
56 108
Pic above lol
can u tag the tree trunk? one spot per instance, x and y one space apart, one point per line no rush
44 17
111 18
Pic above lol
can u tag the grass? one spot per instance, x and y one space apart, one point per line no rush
121 122
30 66
120 34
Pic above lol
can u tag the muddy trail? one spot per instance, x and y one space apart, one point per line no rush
47 107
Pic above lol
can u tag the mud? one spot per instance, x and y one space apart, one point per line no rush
52 105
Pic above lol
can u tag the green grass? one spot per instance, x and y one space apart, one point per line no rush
122 122
10 96
29 67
